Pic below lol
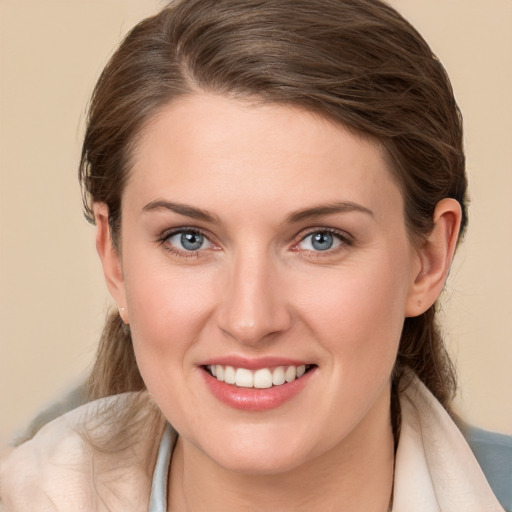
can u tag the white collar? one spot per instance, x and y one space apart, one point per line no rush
436 470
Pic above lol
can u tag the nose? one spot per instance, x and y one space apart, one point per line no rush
254 306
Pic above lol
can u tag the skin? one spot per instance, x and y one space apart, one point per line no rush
257 287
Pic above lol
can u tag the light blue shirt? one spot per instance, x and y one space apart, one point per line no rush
158 497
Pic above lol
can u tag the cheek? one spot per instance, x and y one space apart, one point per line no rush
358 313
167 308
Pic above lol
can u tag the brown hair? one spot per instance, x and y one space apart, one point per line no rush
355 61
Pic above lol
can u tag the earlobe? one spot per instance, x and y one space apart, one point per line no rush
435 257
110 259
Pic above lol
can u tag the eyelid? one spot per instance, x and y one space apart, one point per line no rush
168 233
344 237
179 235
345 240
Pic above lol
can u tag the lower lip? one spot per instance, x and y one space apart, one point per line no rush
254 399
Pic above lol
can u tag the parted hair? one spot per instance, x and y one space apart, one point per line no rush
357 62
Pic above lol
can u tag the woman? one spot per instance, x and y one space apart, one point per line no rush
278 189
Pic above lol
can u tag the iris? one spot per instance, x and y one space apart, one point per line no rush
191 241
322 241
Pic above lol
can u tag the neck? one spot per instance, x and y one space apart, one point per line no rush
356 474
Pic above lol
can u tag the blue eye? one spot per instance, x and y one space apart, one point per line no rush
320 241
189 241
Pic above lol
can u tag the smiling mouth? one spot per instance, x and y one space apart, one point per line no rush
262 378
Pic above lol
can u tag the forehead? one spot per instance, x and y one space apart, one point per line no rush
221 151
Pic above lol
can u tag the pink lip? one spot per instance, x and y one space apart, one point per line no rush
254 363
252 399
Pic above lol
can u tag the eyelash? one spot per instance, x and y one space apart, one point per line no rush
164 241
344 238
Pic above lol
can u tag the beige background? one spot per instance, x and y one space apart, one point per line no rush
52 297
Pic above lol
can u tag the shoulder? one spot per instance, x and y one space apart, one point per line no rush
432 447
82 459
493 452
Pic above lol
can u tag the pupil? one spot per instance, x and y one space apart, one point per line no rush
191 241
322 241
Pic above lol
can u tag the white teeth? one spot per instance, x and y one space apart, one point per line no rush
244 378
278 376
229 375
261 379
290 373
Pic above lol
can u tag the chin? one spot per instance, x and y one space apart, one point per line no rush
261 463
263 454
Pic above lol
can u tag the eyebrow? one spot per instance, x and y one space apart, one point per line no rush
181 209
327 209
293 218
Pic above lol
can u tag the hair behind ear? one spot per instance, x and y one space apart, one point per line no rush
115 370
422 350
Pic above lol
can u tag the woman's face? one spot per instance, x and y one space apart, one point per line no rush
263 240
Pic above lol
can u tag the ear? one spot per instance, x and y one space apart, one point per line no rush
435 256
110 259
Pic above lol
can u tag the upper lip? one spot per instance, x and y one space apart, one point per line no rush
254 363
